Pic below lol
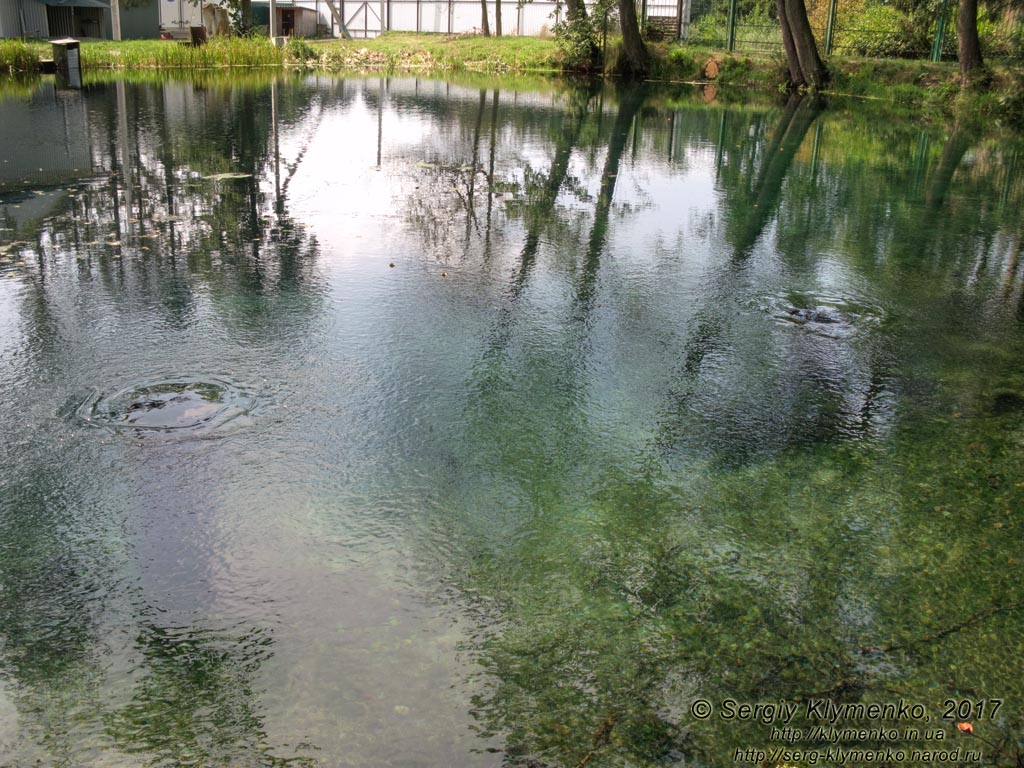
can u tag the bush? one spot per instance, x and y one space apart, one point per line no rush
684 65
709 29
579 40
298 51
16 56
1001 38
1011 102
878 31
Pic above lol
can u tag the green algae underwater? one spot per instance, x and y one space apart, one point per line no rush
564 424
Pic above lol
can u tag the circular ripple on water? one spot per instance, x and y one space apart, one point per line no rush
183 406
831 316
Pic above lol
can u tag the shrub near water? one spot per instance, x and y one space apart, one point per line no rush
16 56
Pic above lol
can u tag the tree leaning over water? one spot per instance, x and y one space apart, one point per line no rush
635 59
805 66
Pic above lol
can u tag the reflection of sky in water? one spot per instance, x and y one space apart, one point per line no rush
460 472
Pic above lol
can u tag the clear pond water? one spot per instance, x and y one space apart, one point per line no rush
397 422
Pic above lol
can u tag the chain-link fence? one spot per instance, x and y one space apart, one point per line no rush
852 27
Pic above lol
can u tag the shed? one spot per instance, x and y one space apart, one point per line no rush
292 20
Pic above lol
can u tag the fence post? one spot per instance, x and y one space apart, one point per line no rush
940 32
831 27
731 31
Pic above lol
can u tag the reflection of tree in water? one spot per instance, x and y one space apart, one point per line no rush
821 384
186 230
833 573
196 699
480 172
154 240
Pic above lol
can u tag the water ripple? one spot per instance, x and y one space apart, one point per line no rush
183 406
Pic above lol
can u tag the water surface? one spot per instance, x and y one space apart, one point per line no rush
394 422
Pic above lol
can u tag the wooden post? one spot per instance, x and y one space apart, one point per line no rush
338 16
115 19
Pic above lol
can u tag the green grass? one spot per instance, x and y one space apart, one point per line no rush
447 53
169 54
17 57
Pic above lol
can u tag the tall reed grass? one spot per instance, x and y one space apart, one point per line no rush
17 57
169 54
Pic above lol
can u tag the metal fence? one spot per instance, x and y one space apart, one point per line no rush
363 18
734 25
858 29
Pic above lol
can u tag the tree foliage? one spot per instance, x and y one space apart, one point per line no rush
578 35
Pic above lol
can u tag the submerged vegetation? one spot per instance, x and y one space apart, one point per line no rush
607 439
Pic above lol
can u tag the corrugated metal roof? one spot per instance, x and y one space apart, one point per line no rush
77 3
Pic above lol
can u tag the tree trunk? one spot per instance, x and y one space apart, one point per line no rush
497 18
245 23
575 9
968 44
485 25
814 73
635 59
796 75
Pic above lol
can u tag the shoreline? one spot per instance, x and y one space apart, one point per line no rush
933 88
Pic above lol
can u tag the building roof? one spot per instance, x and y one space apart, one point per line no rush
77 3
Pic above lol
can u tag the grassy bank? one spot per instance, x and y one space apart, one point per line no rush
447 53
395 51
913 84
18 57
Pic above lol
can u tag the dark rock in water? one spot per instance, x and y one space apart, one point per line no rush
815 315
1007 401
